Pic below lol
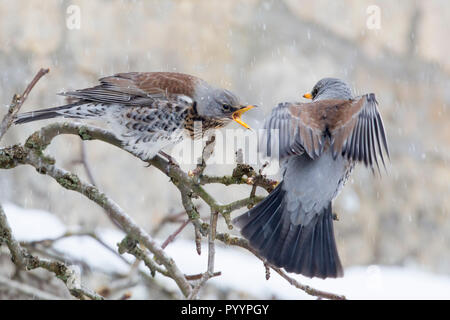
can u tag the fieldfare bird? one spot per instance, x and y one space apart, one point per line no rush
319 144
150 110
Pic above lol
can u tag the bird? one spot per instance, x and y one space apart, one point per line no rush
319 144
149 111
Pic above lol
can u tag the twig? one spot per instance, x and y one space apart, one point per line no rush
84 161
17 253
91 234
206 154
211 240
174 235
194 216
267 267
309 290
23 259
211 257
168 219
198 240
18 101
130 246
263 180
200 275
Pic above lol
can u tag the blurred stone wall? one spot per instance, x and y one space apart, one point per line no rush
267 52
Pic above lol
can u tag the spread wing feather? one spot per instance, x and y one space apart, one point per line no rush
352 128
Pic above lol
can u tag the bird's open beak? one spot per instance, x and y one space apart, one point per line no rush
237 115
308 95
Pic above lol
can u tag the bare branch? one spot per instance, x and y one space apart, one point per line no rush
85 163
32 154
91 234
190 186
169 218
18 101
174 235
130 246
211 257
17 253
206 154
24 260
200 275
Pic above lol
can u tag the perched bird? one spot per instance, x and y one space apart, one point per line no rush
150 110
319 144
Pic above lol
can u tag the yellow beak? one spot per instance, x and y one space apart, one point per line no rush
237 116
308 95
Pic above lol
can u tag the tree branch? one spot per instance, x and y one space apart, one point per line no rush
18 101
22 259
211 257
189 184
32 153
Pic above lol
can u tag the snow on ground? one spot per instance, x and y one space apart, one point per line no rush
33 224
240 270
89 250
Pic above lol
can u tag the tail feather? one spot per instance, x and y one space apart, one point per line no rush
66 111
309 249
260 234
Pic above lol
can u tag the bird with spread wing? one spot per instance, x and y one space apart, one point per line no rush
318 144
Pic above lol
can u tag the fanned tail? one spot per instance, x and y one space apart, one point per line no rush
308 249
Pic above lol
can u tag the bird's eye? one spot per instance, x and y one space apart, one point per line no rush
314 92
226 107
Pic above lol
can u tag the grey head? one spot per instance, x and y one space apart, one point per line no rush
219 104
330 88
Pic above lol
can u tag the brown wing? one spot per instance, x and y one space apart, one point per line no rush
357 131
286 135
354 129
299 128
137 88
